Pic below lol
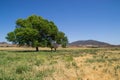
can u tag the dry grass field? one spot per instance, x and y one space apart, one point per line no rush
65 64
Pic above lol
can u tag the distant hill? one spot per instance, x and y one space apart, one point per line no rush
5 44
89 43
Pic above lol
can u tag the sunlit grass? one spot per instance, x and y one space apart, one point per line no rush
65 64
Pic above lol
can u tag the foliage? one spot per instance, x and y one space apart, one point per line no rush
36 31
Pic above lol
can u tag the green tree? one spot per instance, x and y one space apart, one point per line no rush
62 39
35 31
64 42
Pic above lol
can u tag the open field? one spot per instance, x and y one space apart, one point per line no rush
65 64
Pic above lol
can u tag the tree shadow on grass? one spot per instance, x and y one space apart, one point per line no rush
26 51
58 51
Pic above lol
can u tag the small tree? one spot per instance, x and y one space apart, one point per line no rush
35 31
64 42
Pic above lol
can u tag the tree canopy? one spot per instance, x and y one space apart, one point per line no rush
37 32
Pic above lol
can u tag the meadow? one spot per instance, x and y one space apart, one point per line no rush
65 64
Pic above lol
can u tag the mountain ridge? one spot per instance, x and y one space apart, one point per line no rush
90 43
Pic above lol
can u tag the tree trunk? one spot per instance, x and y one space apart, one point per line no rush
37 49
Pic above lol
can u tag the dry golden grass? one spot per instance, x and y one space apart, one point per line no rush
66 64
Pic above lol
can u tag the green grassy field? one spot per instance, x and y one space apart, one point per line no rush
65 64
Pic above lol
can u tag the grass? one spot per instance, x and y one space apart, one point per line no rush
22 69
65 64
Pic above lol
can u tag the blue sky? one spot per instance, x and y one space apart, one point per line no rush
79 19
